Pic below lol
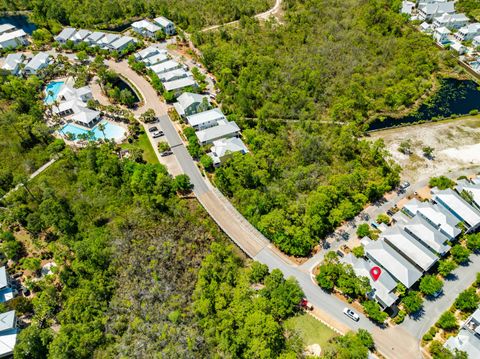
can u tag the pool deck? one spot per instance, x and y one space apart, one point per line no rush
75 143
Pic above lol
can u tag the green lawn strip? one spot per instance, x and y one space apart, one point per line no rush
311 330
144 144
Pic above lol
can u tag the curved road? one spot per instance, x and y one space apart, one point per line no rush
392 342
263 16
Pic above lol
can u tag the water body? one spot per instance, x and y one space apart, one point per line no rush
121 84
20 22
455 97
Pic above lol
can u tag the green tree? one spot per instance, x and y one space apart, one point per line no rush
207 162
366 338
428 151
412 302
328 275
430 285
467 300
182 184
405 147
473 241
447 321
358 251
258 271
163 146
383 218
33 342
441 182
363 230
460 254
446 266
374 312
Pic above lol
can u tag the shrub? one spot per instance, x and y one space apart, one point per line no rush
447 321
400 317
473 242
383 218
412 302
374 312
358 251
430 284
441 182
460 254
363 230
467 300
258 272
446 267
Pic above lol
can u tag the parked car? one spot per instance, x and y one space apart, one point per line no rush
157 134
340 253
166 153
351 314
304 303
405 185
390 212
213 96
374 224
152 129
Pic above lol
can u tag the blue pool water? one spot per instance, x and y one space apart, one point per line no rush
53 88
112 131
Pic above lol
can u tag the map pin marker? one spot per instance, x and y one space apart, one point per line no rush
375 272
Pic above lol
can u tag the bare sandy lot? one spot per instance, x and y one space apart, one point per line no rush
456 145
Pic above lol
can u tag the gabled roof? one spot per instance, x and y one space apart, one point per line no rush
17 34
163 21
6 27
442 30
472 188
179 84
80 35
3 277
224 129
383 287
427 234
228 145
156 59
122 41
213 115
456 205
436 215
12 61
165 66
95 36
411 249
388 258
446 18
174 74
149 51
144 24
186 99
438 8
465 341
108 39
38 61
7 320
65 34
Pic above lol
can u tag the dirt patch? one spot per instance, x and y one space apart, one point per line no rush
455 143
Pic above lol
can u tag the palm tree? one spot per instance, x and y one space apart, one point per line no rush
101 127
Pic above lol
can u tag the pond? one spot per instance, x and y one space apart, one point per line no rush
20 22
455 97
122 85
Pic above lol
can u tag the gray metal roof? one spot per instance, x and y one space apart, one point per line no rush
3 277
427 234
65 34
457 206
225 129
465 341
179 84
213 115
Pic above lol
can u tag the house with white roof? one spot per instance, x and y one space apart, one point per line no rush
468 338
476 42
451 21
167 26
407 7
73 106
12 63
429 11
383 289
440 34
8 333
458 207
6 28
173 75
468 32
436 215
189 103
37 63
383 255
224 129
206 119
156 59
424 232
473 189
149 51
145 28
165 67
458 47
108 39
224 147
94 38
411 249
426 27
13 39
65 35
6 291
80 36
177 86
122 43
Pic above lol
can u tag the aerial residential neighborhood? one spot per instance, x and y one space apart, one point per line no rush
271 179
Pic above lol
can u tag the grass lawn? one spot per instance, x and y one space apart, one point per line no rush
144 144
311 330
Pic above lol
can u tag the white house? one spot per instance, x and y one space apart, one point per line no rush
94 38
6 28
451 21
121 44
190 103
476 41
156 59
145 28
426 27
65 35
13 39
12 63
8 333
80 36
37 63
206 119
148 52
173 75
177 85
458 47
223 148
108 39
73 106
429 11
6 291
224 129
468 338
165 67
407 7
468 32
167 26
458 207
440 34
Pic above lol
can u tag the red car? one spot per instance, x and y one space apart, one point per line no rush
304 303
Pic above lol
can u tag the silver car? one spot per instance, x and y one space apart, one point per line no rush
351 314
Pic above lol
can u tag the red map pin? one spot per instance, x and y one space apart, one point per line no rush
375 272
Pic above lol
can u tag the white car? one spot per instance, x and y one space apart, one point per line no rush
351 314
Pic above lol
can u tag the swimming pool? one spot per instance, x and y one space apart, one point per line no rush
52 90
111 130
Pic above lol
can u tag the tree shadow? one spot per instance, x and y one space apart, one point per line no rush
451 277
418 314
